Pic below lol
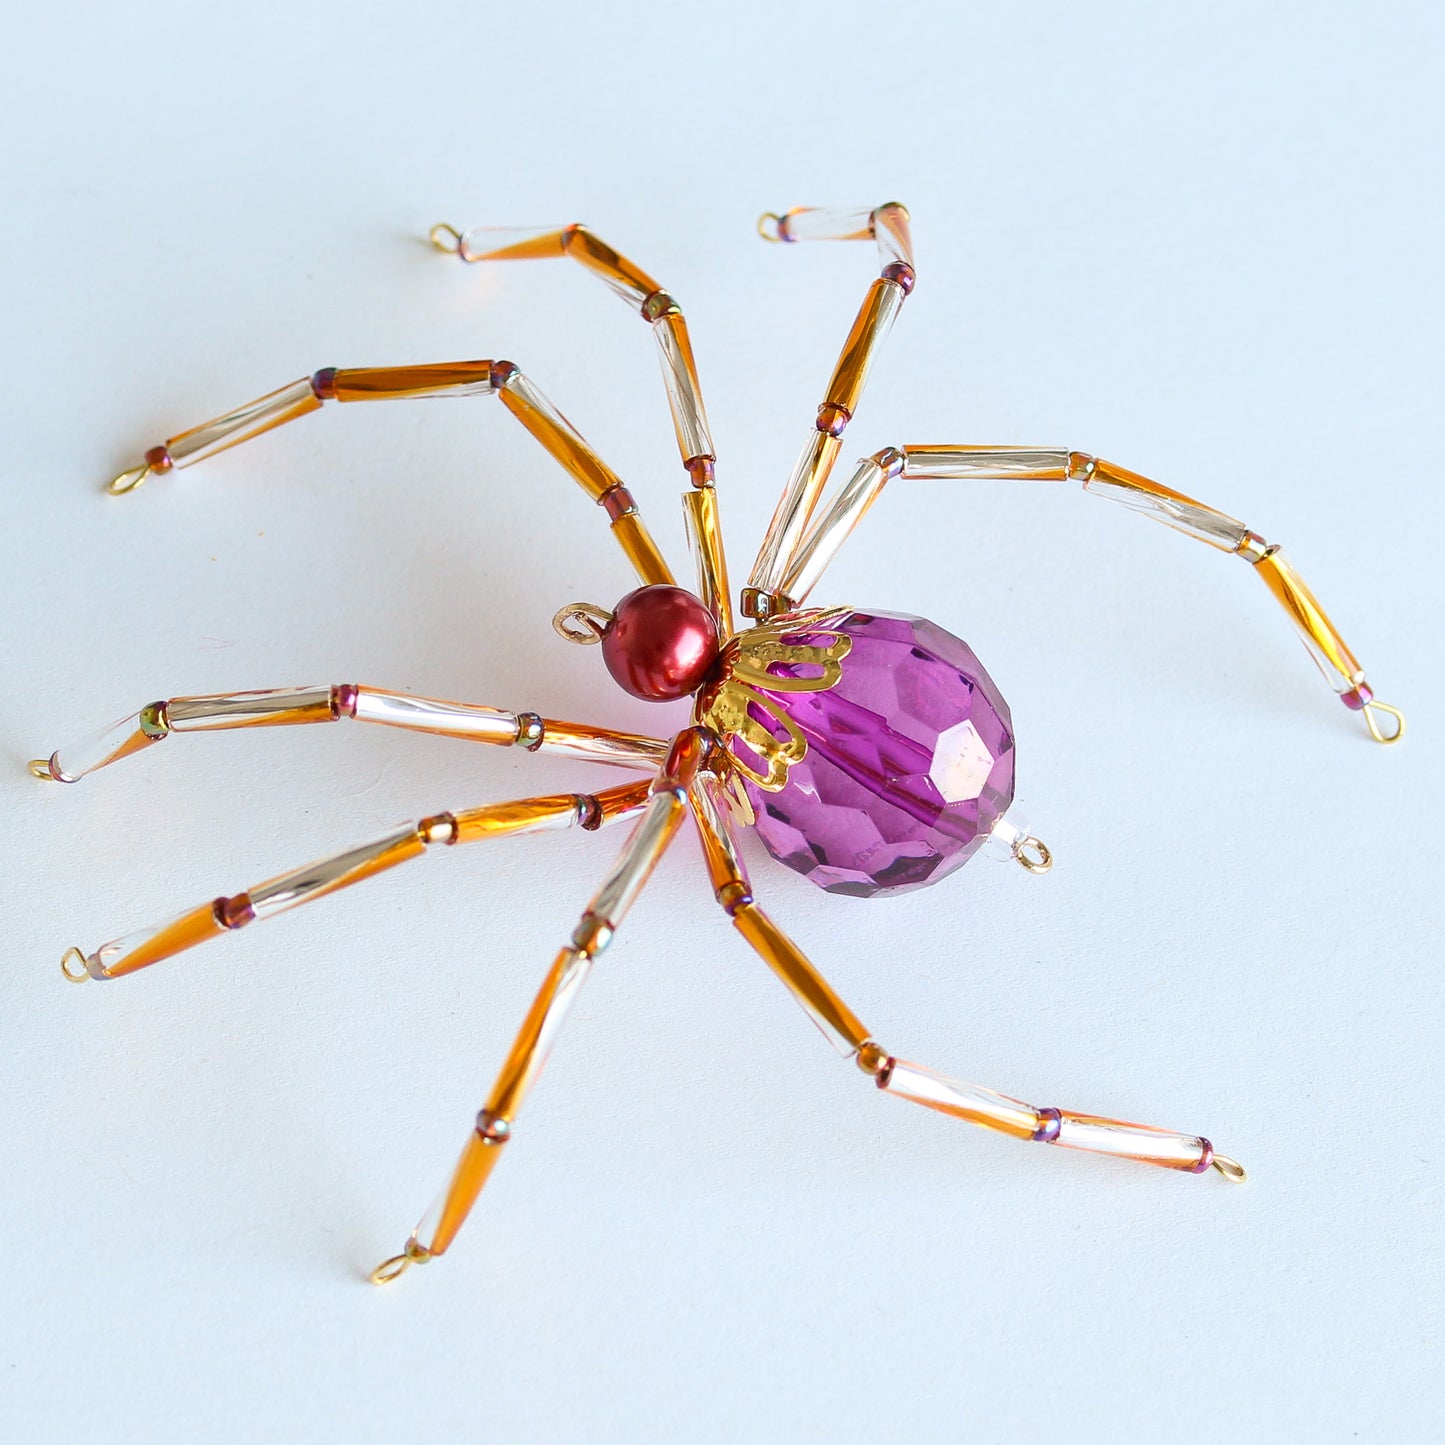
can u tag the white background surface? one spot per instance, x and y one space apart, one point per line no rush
1206 245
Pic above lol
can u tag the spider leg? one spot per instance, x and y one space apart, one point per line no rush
888 225
1103 479
679 370
841 1027
461 378
658 825
146 946
291 706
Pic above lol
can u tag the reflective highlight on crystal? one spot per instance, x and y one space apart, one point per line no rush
909 763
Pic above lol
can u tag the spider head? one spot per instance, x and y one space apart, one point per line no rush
661 643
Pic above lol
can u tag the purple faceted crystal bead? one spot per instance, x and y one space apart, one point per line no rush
910 761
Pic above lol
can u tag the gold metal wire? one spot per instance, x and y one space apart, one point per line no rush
769 233
128 481
1230 1169
582 623
1375 731
1033 853
446 238
65 962
398 1264
40 768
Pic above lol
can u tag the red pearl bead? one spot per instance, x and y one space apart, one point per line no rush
661 643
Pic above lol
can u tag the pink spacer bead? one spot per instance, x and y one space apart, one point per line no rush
902 274
1357 698
1206 1159
1050 1122
617 503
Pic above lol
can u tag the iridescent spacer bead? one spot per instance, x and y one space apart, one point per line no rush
734 895
158 459
323 384
501 373
492 1129
658 305
439 828
702 470
832 418
589 812
234 912
901 274
1206 1159
618 503
690 749
872 1057
153 721
343 700
591 935
1358 697
1254 549
530 731
1050 1122
760 605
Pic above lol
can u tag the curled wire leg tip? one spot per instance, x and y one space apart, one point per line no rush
446 238
1033 853
73 966
1394 726
768 224
393 1268
1230 1169
40 768
128 481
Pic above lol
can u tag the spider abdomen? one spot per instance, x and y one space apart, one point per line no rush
909 761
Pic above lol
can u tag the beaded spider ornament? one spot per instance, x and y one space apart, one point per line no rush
870 751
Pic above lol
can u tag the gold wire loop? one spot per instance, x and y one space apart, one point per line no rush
582 623
446 238
1230 1169
398 1264
770 232
1032 853
118 486
1379 736
65 968
40 768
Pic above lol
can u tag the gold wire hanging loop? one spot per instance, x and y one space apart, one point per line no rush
118 486
446 238
1032 853
398 1264
1230 1169
40 768
1379 736
770 232
582 623
65 968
